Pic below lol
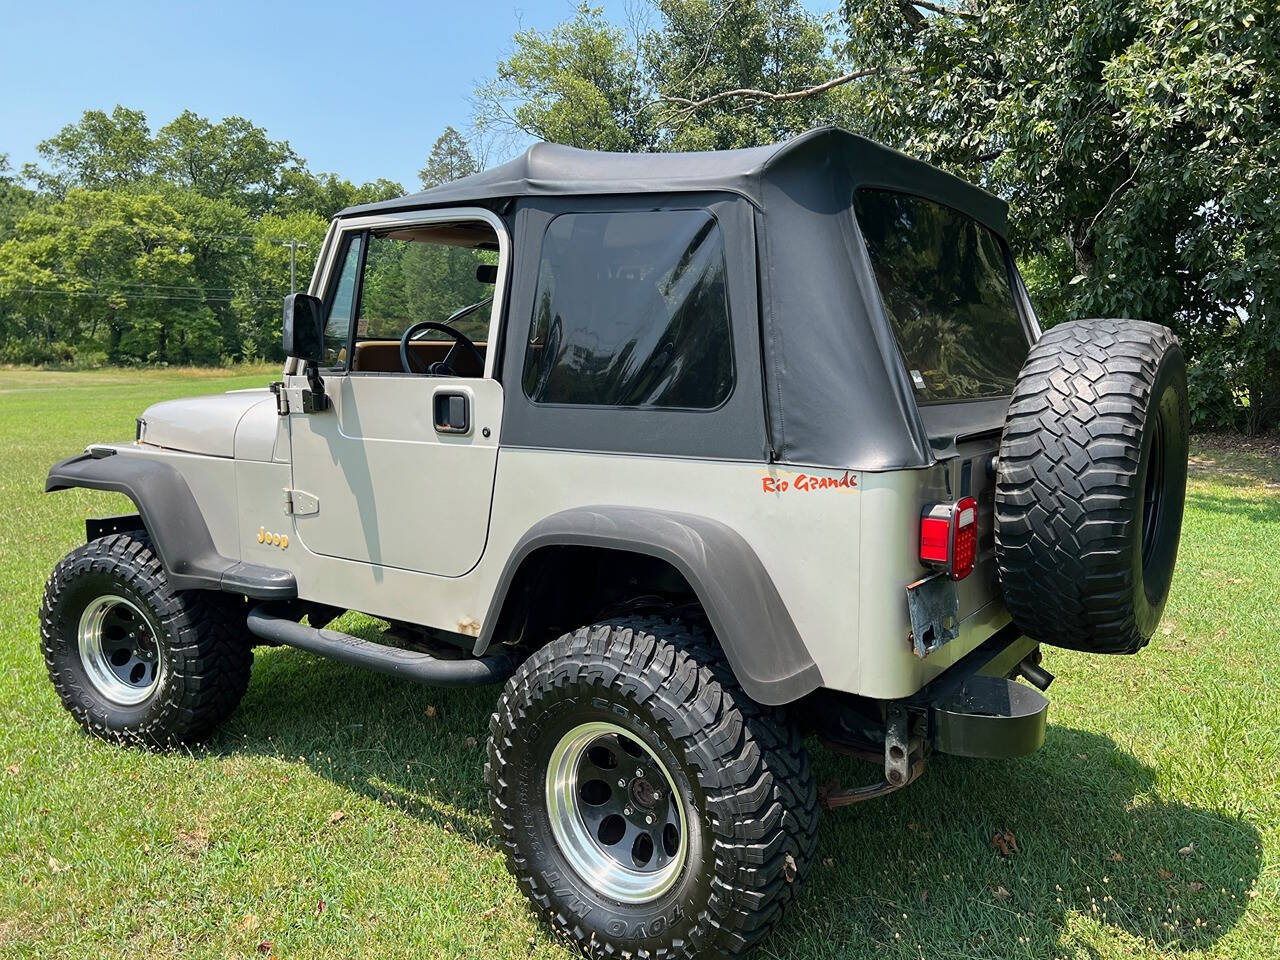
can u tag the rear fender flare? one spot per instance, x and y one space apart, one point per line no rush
749 618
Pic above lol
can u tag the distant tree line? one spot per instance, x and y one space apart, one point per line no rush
1137 141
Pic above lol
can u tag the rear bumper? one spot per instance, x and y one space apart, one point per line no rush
976 709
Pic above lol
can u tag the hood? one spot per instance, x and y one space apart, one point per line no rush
205 425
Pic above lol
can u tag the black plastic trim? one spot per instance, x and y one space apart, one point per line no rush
171 516
750 620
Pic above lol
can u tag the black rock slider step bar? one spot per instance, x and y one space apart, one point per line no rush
410 664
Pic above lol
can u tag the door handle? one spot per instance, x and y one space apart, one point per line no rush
451 411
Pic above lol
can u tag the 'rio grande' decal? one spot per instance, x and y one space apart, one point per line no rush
782 482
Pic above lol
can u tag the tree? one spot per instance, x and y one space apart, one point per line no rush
451 159
15 199
703 48
264 279
324 194
1136 142
578 84
229 160
97 153
110 268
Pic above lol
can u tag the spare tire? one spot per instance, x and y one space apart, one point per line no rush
1090 484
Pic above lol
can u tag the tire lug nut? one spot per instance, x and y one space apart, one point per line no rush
639 771
648 818
622 781
626 811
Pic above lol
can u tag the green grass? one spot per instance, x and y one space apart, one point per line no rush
1148 825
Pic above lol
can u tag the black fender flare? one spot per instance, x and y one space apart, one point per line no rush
765 650
173 520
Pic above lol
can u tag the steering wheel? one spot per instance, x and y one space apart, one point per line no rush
463 359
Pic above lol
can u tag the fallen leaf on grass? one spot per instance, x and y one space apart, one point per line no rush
431 710
924 896
1164 874
1117 857
1005 843
321 906
336 816
828 862
57 867
1001 893
470 743
490 912
250 922
12 769
789 868
1195 886
264 946
1187 850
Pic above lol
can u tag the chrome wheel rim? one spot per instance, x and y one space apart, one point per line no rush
119 651
615 813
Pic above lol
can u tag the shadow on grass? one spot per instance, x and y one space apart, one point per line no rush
1247 510
912 873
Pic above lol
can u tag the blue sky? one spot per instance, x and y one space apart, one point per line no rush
362 91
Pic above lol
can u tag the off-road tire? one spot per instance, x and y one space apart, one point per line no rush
741 768
206 659
1096 434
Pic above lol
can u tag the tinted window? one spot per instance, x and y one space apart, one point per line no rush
337 327
630 310
947 290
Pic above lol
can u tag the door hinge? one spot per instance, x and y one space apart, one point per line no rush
282 399
299 503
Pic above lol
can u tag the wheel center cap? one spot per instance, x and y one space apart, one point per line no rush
644 794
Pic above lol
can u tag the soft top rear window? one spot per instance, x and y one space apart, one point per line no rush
946 286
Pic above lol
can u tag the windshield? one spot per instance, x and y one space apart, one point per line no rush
946 288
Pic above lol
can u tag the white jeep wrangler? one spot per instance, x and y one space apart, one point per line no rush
700 454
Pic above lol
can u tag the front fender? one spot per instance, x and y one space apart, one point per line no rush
750 620
174 522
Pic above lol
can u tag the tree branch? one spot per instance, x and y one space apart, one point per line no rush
939 8
750 92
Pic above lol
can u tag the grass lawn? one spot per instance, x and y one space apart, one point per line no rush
341 814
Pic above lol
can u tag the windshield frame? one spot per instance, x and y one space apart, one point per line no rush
344 228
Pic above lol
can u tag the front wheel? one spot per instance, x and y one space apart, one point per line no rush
646 805
130 657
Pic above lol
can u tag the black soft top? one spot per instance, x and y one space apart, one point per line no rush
549 169
835 387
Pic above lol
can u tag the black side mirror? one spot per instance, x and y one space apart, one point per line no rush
304 327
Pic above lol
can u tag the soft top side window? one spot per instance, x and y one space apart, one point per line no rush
631 311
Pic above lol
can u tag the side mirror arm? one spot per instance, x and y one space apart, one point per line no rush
314 398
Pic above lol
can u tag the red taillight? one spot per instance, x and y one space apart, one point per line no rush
949 537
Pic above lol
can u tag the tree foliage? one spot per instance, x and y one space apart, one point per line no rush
1136 141
170 247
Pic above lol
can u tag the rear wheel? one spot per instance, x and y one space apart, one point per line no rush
130 657
646 805
1091 482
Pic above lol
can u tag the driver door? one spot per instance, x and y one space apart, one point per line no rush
398 470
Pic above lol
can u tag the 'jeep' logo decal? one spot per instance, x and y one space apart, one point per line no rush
808 482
